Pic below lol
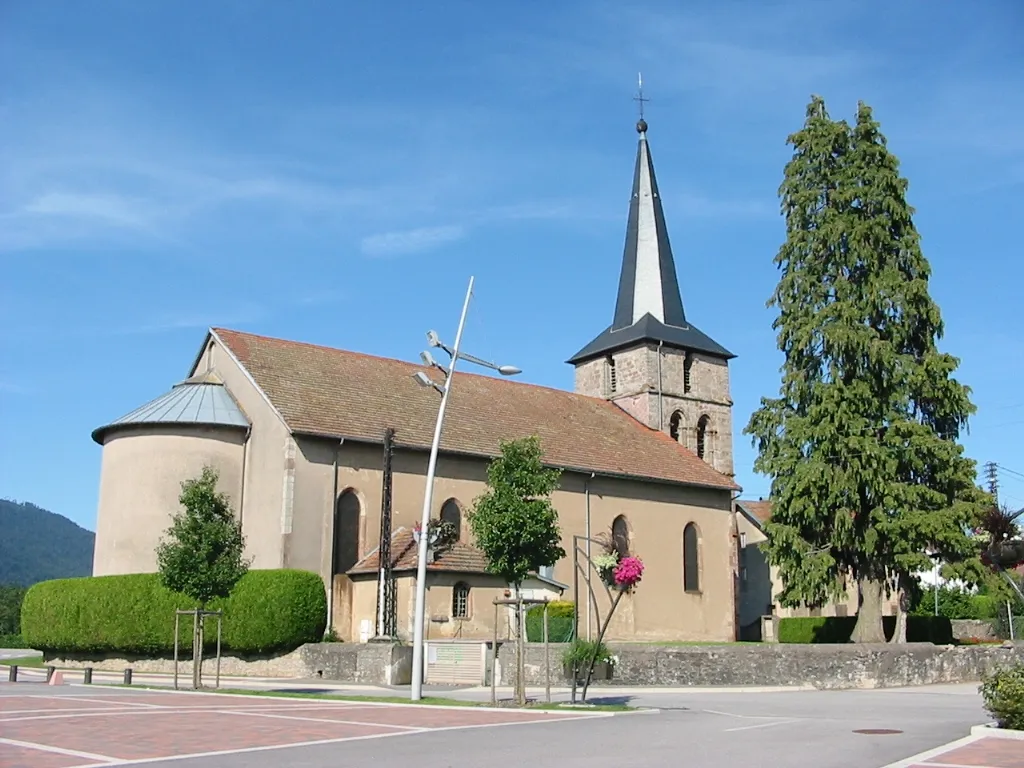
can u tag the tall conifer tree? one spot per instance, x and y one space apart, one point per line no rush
861 444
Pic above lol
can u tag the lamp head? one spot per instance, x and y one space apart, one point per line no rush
428 359
508 370
433 339
422 379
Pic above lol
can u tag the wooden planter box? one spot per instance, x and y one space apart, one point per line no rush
602 671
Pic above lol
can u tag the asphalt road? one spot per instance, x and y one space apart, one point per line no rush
805 729
696 728
798 729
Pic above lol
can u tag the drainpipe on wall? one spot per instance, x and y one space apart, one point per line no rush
330 517
245 461
661 418
586 491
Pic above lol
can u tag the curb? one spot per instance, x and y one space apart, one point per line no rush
989 730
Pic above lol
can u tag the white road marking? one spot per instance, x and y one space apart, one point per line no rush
760 725
318 720
58 750
319 742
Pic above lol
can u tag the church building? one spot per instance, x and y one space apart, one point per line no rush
315 445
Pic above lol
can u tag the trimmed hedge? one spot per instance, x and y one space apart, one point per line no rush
11 641
560 622
838 629
268 611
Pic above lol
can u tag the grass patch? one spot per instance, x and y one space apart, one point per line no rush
24 661
426 700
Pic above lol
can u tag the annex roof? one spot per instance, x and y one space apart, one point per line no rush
459 558
334 393
201 400
759 511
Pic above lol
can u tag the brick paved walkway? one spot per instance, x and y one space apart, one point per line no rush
85 728
982 749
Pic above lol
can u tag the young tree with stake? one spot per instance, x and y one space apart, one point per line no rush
201 555
514 522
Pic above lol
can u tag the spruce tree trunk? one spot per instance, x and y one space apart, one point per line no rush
869 613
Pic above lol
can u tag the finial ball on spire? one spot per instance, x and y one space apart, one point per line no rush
641 126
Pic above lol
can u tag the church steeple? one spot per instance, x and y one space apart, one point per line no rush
649 306
647 283
652 361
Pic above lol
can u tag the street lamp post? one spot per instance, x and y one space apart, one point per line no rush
421 556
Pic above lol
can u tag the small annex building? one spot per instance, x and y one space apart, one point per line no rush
311 444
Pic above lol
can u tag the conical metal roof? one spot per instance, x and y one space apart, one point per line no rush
649 305
202 400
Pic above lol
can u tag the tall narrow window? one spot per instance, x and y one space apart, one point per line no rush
347 512
687 365
620 535
613 382
691 558
452 513
460 601
674 425
702 436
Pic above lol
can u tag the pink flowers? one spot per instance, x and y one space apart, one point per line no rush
629 572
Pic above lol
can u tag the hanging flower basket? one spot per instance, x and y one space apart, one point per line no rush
628 572
605 565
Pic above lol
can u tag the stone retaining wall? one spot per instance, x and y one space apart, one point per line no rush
972 629
361 663
819 666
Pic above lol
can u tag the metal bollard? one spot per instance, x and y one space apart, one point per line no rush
49 673
128 676
12 674
87 676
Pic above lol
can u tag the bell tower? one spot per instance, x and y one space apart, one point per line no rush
651 361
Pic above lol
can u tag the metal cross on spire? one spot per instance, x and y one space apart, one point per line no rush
639 98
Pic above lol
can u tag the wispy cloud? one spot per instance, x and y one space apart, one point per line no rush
411 240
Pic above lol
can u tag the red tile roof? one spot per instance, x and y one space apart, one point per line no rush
761 510
459 558
335 393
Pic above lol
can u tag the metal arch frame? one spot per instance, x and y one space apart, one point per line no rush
578 567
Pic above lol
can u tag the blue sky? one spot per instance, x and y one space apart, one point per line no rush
335 172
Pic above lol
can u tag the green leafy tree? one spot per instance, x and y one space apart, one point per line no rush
202 553
11 598
514 522
861 444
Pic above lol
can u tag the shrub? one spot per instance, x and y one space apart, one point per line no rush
11 641
955 603
581 651
273 610
560 622
1003 692
838 629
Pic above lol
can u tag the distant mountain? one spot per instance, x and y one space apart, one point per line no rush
37 545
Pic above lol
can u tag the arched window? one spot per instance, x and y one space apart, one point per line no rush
460 601
674 425
613 381
620 535
347 513
691 558
451 512
702 435
687 365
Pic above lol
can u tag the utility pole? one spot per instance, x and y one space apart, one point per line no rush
992 475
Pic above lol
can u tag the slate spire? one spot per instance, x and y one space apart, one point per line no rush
647 283
649 305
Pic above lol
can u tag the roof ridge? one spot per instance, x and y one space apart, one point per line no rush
628 458
414 366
